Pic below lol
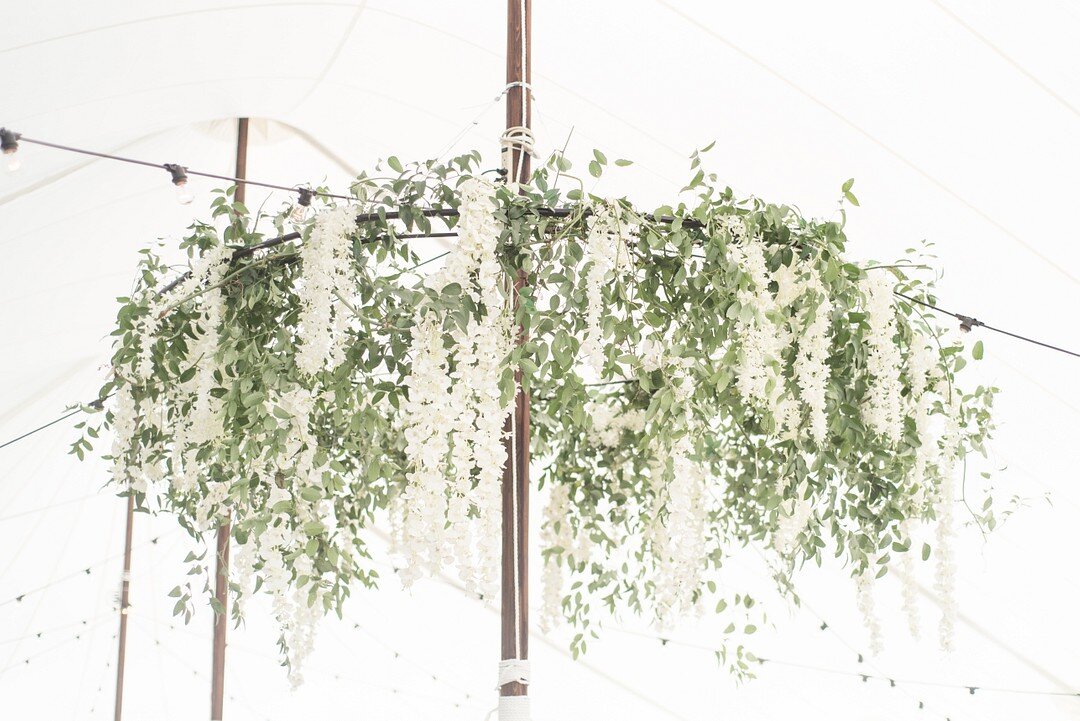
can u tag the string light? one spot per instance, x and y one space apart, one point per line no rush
9 144
86 571
303 204
863 676
180 179
70 639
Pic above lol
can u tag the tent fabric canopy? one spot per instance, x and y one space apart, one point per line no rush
957 119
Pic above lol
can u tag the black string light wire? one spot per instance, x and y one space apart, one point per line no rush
9 140
84 571
26 660
967 323
877 675
468 701
53 629
178 174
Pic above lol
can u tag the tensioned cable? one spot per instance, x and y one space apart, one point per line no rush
47 631
188 171
876 675
968 322
39 428
76 637
84 571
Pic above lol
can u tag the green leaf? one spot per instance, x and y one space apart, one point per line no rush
977 351
623 162
594 169
394 163
600 157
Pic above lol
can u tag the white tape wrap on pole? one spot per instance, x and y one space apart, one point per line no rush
513 670
514 708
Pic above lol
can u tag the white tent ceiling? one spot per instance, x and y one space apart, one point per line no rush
958 119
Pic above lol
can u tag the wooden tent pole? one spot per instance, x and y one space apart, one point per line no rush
125 581
221 577
515 489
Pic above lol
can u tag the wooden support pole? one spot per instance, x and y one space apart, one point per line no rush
515 489
125 581
221 577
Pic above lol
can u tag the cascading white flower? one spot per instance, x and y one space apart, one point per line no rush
923 374
326 276
759 376
945 570
125 424
202 424
908 587
881 410
609 422
651 355
864 594
677 536
271 550
795 515
605 254
574 548
811 361
454 417
426 417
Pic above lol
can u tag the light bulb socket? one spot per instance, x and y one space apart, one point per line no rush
178 173
305 196
9 141
967 323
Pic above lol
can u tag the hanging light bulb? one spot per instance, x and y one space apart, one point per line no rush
9 144
303 204
180 179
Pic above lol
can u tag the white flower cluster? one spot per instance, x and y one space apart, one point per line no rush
759 376
297 608
795 515
923 373
609 422
811 369
572 546
474 262
651 354
864 595
908 588
202 424
125 424
454 419
677 537
606 253
326 273
205 271
882 408
945 571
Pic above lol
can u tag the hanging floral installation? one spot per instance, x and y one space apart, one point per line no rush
703 377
